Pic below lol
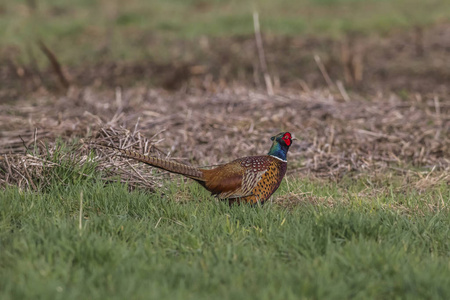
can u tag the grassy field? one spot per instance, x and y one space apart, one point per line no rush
90 31
344 241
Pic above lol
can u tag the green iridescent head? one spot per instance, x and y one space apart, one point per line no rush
280 145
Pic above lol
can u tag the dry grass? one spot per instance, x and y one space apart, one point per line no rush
215 124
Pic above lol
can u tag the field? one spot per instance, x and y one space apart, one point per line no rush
362 213
347 244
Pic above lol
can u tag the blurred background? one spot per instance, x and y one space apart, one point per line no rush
369 45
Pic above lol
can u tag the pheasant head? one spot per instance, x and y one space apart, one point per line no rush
280 145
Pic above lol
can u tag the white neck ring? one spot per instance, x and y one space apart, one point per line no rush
279 158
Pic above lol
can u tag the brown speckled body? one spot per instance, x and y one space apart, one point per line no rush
250 179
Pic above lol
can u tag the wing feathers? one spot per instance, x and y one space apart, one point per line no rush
236 179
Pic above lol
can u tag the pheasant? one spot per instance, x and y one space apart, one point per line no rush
249 179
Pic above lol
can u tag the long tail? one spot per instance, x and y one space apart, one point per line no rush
170 166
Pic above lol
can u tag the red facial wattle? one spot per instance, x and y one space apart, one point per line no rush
287 138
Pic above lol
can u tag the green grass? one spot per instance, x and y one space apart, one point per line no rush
354 242
81 31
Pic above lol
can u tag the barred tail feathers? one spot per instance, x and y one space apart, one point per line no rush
170 166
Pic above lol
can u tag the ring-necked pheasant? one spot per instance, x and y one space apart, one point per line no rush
249 179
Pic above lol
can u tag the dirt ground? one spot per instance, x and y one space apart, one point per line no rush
336 137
